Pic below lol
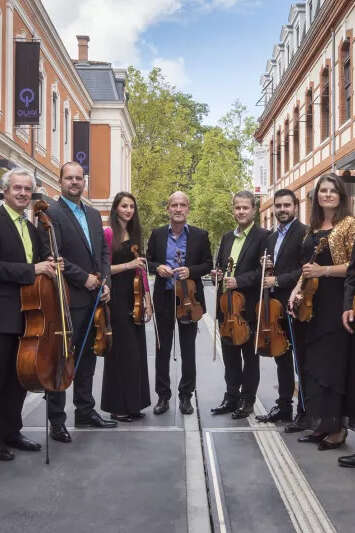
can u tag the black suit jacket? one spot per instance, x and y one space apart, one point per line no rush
73 246
198 257
349 286
14 272
247 269
288 265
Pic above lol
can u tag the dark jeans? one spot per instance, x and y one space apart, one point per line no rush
82 393
12 395
242 373
164 308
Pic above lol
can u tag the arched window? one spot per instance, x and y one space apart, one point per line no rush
345 82
287 146
309 121
296 136
325 105
278 155
271 165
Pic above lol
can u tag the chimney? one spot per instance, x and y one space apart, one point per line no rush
83 48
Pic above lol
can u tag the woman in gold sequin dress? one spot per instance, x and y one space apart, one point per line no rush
327 344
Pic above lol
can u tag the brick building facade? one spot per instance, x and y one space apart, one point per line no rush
307 127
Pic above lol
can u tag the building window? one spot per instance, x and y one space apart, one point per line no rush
325 105
288 53
271 162
54 112
55 137
347 81
40 93
287 146
309 121
66 125
67 132
296 136
297 36
310 11
278 155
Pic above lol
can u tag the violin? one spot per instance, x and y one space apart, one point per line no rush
45 357
232 303
102 323
309 287
271 340
188 309
138 292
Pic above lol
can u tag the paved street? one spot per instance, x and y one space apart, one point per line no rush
158 475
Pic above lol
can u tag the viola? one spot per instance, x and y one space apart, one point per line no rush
309 287
102 323
232 303
45 358
138 292
271 339
188 309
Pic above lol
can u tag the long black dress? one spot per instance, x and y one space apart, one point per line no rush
326 347
125 387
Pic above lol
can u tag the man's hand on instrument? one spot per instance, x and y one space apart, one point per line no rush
269 282
164 271
105 296
219 274
230 283
348 321
269 264
182 272
45 267
148 313
312 270
92 282
294 302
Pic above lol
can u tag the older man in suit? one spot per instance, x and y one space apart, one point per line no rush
245 244
284 247
20 254
81 243
164 243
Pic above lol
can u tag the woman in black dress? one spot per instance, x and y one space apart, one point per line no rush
327 344
125 388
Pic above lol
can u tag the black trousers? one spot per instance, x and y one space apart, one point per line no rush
242 371
82 393
164 308
12 394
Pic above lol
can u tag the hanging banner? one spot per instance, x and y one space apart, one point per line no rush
81 144
27 83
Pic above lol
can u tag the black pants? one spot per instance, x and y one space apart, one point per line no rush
12 395
242 372
82 397
164 308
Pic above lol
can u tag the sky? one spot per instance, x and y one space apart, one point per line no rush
215 50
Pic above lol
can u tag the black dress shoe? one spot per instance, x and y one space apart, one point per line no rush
60 433
327 445
94 420
121 418
275 415
312 438
185 406
300 423
246 407
20 442
225 407
5 453
137 415
161 407
347 461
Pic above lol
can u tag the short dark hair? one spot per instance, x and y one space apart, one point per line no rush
245 194
286 192
67 164
343 210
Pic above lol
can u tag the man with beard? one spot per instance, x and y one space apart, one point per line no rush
245 245
284 248
82 245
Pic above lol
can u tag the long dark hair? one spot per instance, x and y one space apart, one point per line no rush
317 214
133 226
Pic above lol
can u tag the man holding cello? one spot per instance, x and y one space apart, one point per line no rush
180 251
20 255
244 245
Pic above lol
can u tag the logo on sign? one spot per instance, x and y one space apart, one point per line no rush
27 96
80 157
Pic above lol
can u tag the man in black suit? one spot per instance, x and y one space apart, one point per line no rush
284 247
163 244
245 245
349 325
81 243
20 253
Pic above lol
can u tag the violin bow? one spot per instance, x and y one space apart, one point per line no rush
260 300
153 306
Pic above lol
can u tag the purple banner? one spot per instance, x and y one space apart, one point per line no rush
27 83
81 144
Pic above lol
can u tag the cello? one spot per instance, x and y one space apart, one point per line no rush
234 326
45 357
270 340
